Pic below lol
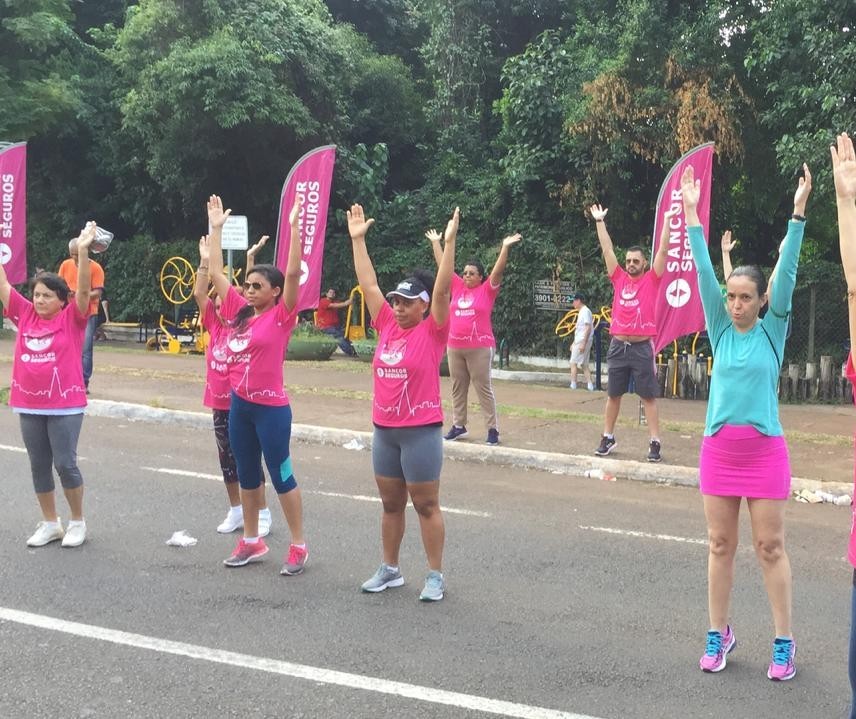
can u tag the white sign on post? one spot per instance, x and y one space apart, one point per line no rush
236 233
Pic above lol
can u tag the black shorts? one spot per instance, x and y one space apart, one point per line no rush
631 359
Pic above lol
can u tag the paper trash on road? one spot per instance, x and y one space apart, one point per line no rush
181 539
354 444
817 496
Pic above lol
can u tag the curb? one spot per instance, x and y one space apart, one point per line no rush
555 462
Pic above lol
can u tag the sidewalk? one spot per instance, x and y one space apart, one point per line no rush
533 417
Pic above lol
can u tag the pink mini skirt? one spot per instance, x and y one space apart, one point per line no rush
739 461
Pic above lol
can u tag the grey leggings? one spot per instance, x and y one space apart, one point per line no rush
51 439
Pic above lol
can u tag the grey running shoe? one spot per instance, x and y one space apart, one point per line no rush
246 552
434 587
295 561
607 444
383 578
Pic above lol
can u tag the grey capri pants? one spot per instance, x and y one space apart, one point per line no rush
413 454
51 439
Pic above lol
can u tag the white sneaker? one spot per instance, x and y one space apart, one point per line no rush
75 535
46 532
264 522
573 385
234 521
591 386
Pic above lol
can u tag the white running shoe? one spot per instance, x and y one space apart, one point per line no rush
46 532
234 521
75 535
264 522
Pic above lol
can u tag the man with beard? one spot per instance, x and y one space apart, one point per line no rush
633 327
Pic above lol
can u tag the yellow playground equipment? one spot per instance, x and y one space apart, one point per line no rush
568 323
184 332
355 327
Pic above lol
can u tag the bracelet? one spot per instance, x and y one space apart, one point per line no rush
798 218
600 220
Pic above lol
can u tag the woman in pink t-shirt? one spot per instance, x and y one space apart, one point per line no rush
407 447
471 340
844 172
48 392
218 393
259 325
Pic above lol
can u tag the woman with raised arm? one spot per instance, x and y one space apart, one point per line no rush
48 392
259 325
844 173
412 322
471 341
743 453
218 393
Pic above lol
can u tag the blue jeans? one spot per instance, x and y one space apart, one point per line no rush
851 665
88 342
339 336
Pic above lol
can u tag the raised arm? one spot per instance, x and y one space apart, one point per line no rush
785 272
441 298
358 226
499 267
599 215
844 172
84 275
659 262
727 244
252 252
340 305
217 217
200 287
435 237
295 252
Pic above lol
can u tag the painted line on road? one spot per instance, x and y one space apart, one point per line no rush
289 669
646 535
338 495
10 448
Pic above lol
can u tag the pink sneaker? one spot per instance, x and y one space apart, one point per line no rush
718 646
246 552
782 667
295 561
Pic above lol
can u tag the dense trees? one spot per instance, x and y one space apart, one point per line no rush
520 111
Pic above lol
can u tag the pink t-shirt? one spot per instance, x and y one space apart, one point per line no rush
255 353
851 552
218 393
633 304
47 372
469 314
406 368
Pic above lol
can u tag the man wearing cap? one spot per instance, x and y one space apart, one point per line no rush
327 320
633 327
68 271
581 346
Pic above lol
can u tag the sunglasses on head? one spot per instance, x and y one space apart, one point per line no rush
255 285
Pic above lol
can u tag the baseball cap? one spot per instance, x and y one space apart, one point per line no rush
411 289
579 296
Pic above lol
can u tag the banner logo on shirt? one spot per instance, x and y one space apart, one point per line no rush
311 178
681 314
13 210
38 344
239 342
393 352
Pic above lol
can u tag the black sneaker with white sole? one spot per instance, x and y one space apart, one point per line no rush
654 451
607 444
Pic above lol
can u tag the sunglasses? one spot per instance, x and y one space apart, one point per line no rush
255 285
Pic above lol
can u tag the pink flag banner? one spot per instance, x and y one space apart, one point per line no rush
13 211
679 311
312 178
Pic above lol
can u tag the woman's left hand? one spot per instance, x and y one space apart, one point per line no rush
512 239
803 191
253 251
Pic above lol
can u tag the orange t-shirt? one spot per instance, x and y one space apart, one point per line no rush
68 271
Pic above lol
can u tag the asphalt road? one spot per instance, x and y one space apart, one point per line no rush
566 597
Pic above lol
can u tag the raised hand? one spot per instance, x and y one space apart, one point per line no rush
87 236
690 188
727 243
433 235
803 191
216 215
294 215
254 250
598 212
452 225
844 168
358 225
204 252
512 239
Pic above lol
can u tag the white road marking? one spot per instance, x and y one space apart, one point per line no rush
646 535
339 495
289 669
10 448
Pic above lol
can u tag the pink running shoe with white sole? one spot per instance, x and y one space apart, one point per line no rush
716 651
782 666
